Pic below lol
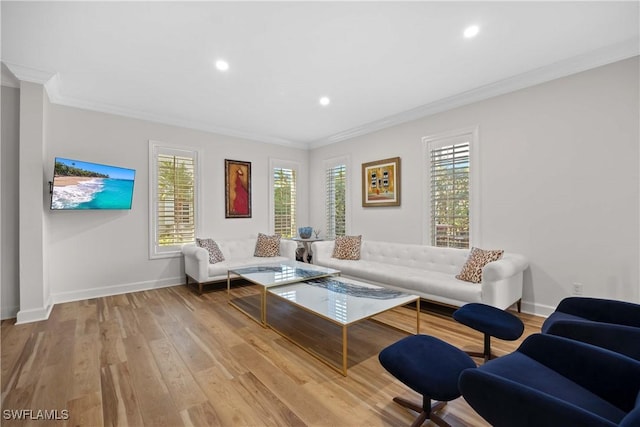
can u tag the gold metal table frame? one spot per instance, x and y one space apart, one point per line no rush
263 301
264 287
343 369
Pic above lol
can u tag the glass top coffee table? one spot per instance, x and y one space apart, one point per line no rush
342 302
267 276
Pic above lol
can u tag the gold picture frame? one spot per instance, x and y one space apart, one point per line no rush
237 189
381 183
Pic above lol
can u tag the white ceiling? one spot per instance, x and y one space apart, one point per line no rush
381 63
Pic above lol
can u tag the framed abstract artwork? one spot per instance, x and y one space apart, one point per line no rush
381 183
237 189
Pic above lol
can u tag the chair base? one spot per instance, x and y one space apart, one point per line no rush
426 411
486 351
485 356
491 321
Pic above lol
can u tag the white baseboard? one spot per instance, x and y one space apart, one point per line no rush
35 314
106 291
537 309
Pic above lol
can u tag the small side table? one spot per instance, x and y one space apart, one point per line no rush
306 244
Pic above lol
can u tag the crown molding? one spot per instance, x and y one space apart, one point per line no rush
13 74
576 64
29 74
603 56
52 84
7 82
8 79
57 98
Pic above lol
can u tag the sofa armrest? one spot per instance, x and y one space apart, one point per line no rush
504 268
288 248
322 251
502 281
196 262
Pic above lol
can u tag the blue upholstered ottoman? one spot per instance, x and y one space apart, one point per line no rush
492 322
430 367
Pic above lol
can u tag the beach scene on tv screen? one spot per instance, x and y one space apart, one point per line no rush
84 185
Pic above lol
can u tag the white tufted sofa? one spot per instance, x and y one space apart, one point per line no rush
429 272
237 253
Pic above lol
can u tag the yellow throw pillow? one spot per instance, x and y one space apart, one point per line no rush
478 258
267 246
347 247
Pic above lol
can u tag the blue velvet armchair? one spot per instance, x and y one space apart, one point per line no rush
606 323
555 381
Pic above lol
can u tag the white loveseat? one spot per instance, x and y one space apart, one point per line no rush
429 272
237 253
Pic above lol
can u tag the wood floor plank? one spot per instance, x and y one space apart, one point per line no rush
173 357
86 320
286 388
52 389
200 415
86 363
111 345
156 405
17 399
16 344
280 357
275 412
229 400
217 350
177 377
33 359
147 324
126 321
62 340
85 410
119 398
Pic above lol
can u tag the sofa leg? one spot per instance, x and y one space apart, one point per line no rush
186 281
519 305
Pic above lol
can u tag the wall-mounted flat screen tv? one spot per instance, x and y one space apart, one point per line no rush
81 185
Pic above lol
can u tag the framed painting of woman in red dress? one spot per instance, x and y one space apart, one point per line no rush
237 189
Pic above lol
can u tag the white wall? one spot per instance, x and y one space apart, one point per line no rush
10 279
560 184
94 253
559 181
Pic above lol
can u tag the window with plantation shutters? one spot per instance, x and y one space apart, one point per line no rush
173 199
284 202
450 195
448 161
335 201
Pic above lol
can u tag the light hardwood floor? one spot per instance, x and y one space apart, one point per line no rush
170 357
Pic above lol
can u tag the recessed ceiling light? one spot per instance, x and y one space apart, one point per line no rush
324 101
471 31
222 65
